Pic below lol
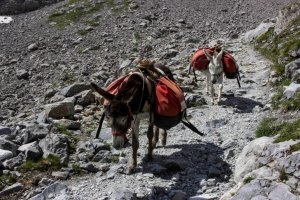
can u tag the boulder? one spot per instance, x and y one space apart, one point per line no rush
74 89
254 33
5 154
8 145
32 151
55 144
60 109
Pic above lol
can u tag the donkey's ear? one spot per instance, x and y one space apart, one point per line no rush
102 92
220 55
208 56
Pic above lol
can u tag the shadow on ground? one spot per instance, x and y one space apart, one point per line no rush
244 105
188 165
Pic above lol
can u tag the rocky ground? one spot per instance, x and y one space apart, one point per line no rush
206 163
38 59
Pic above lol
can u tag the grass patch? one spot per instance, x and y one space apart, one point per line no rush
50 163
289 131
73 140
77 10
7 179
280 101
62 19
88 127
282 175
285 131
68 77
277 47
114 158
248 179
83 32
267 128
76 169
295 147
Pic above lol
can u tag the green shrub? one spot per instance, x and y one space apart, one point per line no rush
286 131
289 131
248 179
283 175
267 127
279 101
7 179
295 147
50 163
73 140
76 169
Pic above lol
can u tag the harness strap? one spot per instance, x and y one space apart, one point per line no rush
188 124
145 80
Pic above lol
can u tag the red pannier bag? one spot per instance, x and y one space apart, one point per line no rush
115 86
200 62
169 103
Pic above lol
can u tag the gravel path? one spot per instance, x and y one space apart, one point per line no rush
189 165
207 162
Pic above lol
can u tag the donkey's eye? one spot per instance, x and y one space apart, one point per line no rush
123 119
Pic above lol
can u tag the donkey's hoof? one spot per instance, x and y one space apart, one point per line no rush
149 157
130 170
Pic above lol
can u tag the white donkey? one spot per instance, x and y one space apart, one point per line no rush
214 73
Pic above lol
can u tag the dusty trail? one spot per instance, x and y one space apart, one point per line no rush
207 162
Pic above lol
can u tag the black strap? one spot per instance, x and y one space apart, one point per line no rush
188 124
190 69
238 78
100 125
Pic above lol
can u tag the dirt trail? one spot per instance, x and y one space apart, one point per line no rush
207 162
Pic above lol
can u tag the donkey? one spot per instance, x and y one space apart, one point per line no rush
214 73
128 107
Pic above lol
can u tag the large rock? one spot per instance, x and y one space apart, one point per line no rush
74 89
34 132
122 193
5 154
11 189
261 29
265 189
8 7
8 145
259 153
60 109
55 191
85 98
32 151
55 144
4 131
291 90
291 68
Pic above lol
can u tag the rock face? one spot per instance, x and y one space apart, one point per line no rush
285 16
8 7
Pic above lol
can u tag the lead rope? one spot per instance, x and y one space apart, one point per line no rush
100 124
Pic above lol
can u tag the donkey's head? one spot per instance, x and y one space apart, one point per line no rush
119 111
215 65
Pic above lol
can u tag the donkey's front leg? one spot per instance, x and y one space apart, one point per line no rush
220 92
155 137
208 82
135 145
150 144
220 88
212 93
164 137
